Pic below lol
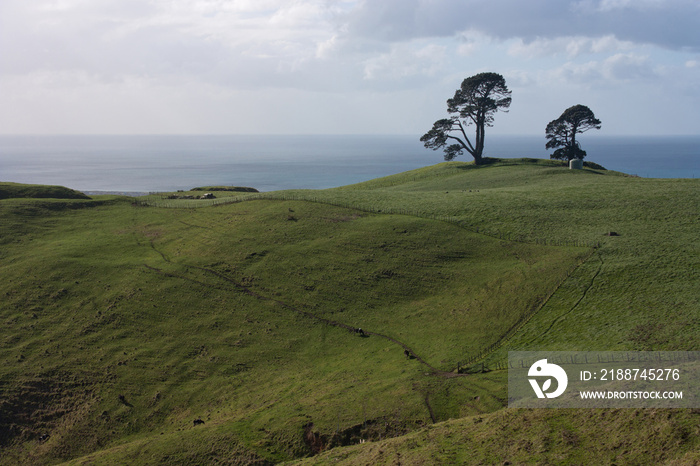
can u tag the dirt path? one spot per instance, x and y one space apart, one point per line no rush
248 291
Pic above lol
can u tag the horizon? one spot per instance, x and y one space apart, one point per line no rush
341 67
144 163
489 135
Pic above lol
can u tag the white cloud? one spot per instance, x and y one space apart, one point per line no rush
618 68
54 6
610 5
627 67
670 23
96 58
470 42
569 46
325 48
140 38
466 49
405 60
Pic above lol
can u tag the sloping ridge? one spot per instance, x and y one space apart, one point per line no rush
35 191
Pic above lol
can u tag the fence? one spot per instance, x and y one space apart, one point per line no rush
281 196
432 216
523 320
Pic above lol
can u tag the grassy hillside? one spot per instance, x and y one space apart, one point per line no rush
647 276
123 324
539 436
17 190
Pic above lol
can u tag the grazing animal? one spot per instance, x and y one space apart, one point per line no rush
407 353
197 422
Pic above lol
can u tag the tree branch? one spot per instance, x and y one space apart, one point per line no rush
470 149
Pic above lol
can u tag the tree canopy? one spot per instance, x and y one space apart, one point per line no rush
561 133
475 102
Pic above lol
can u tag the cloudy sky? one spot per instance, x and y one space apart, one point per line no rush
337 66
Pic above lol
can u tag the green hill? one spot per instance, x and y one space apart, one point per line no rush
228 333
17 190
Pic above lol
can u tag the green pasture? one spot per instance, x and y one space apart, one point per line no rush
127 319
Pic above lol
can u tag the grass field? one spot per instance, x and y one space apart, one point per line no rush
125 320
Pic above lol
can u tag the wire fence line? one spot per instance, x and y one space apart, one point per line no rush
457 221
433 216
520 323
164 202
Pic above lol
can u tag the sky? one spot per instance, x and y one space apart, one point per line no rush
342 67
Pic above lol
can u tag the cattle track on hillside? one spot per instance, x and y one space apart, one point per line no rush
248 291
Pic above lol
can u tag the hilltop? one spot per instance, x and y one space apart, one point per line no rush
18 190
127 320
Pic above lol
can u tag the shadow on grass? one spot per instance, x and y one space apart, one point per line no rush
491 161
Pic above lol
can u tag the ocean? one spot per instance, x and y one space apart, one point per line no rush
137 164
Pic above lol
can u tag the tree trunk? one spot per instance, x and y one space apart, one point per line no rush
479 143
572 151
